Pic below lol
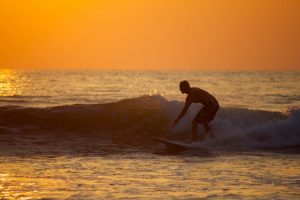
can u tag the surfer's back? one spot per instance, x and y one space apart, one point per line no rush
197 95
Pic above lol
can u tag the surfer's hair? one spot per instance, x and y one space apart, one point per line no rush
184 85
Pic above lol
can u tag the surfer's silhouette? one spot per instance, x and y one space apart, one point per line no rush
206 113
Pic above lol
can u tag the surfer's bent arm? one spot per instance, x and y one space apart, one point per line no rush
183 111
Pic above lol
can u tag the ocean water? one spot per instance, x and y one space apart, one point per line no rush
87 134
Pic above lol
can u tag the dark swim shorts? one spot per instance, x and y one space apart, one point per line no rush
206 114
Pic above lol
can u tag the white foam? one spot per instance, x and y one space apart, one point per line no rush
244 128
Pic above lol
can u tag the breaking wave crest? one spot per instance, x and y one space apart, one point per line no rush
137 120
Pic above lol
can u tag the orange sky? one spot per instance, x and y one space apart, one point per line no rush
150 34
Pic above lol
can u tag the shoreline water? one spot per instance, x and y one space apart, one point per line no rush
150 176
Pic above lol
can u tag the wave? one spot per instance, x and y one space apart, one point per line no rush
137 120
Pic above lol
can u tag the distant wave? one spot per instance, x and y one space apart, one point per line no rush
137 120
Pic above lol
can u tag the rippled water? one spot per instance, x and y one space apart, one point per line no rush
256 90
146 176
105 151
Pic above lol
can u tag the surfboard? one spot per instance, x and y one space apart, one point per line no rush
172 145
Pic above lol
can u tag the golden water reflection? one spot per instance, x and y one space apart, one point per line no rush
150 177
10 84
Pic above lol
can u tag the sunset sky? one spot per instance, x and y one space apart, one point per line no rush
150 34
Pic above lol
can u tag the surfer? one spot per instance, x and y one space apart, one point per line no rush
206 113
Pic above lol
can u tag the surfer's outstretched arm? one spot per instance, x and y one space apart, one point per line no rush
182 113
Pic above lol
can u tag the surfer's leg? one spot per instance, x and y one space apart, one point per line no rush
202 118
211 116
207 131
194 131
206 127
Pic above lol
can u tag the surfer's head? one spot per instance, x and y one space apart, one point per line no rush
184 86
